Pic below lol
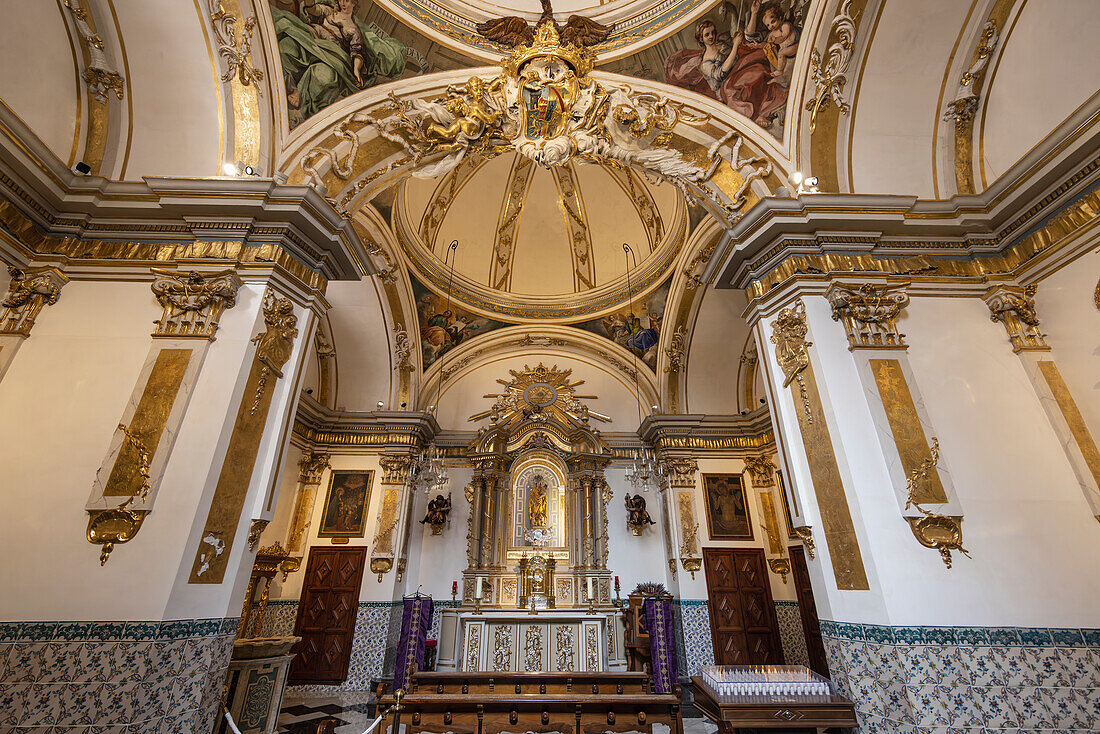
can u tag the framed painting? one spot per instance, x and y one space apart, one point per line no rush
727 510
786 505
345 511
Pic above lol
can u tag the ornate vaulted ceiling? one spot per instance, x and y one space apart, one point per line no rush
539 242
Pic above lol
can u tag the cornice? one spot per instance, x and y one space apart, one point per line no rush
1045 196
697 433
404 430
54 213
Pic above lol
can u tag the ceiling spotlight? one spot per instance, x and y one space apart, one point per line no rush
249 171
795 178
230 169
83 168
380 404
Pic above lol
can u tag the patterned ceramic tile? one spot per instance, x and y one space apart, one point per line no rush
790 633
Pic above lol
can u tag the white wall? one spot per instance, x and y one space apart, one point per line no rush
717 341
1024 514
175 94
894 111
40 84
360 336
1046 70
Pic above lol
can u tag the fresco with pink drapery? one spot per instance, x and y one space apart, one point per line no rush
740 53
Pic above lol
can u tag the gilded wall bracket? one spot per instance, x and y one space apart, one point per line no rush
932 530
781 566
108 528
805 533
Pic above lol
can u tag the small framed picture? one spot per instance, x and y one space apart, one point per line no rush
727 510
345 512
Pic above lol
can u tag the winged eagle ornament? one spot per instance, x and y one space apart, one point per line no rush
513 31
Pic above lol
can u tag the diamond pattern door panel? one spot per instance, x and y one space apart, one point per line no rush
743 625
326 615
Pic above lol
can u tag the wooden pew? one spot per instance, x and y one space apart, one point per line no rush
570 703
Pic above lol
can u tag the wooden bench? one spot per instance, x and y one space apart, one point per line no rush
570 703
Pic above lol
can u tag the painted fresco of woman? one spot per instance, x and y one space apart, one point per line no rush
328 53
740 71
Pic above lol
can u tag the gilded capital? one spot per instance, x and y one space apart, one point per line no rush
395 468
30 290
761 470
681 471
1014 307
311 466
193 302
869 313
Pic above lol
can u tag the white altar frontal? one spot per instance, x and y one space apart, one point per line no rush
554 640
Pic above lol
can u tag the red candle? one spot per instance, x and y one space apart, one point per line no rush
616 580
454 587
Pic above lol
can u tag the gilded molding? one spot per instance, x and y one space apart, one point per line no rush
30 290
193 302
1014 307
402 349
830 74
869 313
761 470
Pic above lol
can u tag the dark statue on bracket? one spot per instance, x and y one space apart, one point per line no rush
636 516
438 510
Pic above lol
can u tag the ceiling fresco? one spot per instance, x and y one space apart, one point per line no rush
331 49
636 327
739 52
444 324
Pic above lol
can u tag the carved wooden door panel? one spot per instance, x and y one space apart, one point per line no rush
744 630
808 610
326 614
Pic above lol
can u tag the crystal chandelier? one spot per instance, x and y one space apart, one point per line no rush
427 471
644 471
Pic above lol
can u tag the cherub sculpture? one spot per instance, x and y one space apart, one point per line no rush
438 510
636 516
472 117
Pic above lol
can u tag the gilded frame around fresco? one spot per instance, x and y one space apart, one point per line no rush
711 480
327 527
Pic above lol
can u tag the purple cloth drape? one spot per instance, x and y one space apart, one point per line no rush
662 644
416 619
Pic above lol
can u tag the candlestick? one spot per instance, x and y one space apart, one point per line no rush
454 593
477 591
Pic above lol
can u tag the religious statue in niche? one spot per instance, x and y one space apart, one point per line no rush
636 516
536 504
438 510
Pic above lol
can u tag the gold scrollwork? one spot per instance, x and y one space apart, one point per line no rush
806 534
831 74
869 313
1014 307
193 302
275 344
933 530
789 337
237 51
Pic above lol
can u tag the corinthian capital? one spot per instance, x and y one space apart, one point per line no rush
193 302
869 313
30 290
1014 307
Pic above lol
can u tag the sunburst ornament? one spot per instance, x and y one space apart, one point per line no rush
540 394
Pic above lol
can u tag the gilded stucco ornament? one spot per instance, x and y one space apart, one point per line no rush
1014 307
805 533
193 302
869 313
275 344
781 566
235 50
99 73
830 74
676 350
30 290
789 337
402 349
933 530
255 530
761 470
965 104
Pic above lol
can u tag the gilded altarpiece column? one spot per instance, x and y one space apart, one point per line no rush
29 291
1014 308
395 489
126 484
311 467
682 473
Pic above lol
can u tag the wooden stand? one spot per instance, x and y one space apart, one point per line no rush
786 713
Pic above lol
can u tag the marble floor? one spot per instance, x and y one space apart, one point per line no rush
354 712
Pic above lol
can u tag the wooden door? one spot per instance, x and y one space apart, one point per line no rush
326 615
743 626
808 610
